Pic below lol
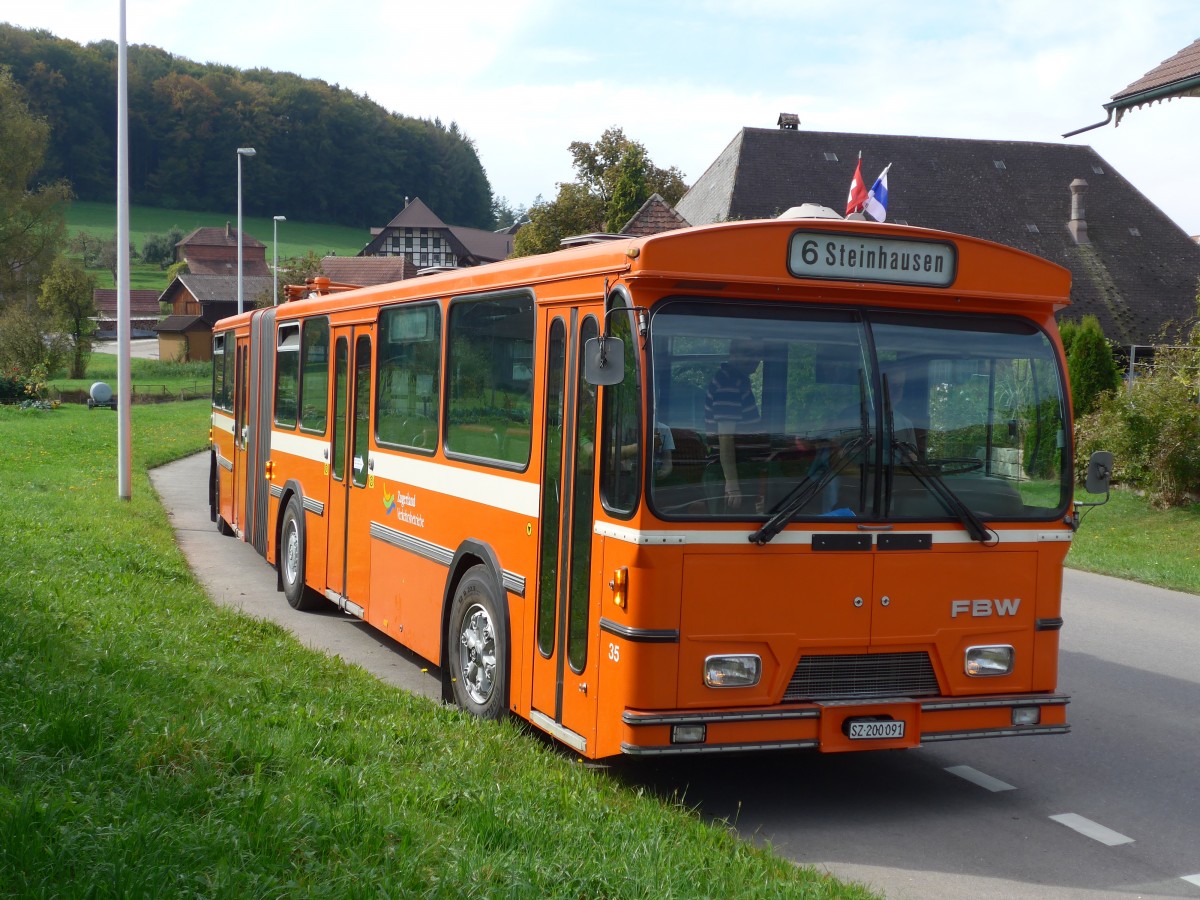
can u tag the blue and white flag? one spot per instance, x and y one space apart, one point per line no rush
876 203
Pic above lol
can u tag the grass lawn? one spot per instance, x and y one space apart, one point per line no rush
1128 539
296 237
147 376
158 745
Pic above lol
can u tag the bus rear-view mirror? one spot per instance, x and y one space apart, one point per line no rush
1099 472
603 360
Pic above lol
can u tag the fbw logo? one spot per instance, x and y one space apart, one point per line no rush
985 607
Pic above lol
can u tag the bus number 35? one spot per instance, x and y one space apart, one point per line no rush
614 652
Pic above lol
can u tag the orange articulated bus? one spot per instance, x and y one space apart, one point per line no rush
798 483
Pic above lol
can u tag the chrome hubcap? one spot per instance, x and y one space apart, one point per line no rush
291 554
477 654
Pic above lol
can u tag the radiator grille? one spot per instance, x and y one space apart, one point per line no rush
850 677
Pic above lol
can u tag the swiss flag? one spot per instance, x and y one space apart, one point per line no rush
858 191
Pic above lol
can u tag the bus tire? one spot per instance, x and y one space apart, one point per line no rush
292 557
478 652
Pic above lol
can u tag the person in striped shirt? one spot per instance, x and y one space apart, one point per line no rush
731 412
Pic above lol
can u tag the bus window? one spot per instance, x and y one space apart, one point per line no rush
407 397
221 389
791 388
287 374
489 363
314 382
362 409
986 411
551 496
581 513
622 445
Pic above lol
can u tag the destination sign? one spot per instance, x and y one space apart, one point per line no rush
858 257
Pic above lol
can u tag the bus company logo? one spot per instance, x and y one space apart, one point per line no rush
389 502
985 607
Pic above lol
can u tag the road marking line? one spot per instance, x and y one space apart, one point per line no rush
976 777
1191 879
1094 830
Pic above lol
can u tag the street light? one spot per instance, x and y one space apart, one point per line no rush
242 151
275 266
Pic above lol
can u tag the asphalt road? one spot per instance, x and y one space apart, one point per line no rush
1112 809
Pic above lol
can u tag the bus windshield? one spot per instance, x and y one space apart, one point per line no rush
820 413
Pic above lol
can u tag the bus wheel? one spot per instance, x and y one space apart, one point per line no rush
477 653
291 557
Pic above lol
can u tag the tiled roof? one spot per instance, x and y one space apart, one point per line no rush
142 303
1138 274
654 217
416 215
486 246
215 288
1181 67
367 270
219 237
179 324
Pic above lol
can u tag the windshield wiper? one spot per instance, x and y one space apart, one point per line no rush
936 486
809 487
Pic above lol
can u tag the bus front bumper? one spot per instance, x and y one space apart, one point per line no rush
843 725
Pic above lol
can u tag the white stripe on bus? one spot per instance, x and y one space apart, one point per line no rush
805 536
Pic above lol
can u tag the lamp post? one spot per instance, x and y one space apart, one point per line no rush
242 151
275 264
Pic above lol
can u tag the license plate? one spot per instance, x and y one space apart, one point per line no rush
876 729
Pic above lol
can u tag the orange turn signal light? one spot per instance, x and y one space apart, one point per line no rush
620 586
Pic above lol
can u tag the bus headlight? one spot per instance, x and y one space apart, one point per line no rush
992 660
740 670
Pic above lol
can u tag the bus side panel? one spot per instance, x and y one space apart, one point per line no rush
1051 556
222 429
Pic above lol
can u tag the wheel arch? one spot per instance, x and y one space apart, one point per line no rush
472 553
291 488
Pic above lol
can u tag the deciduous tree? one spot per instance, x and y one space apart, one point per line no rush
614 177
67 298
31 215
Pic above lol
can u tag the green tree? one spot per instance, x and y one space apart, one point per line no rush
160 248
614 177
31 214
1091 366
67 298
574 211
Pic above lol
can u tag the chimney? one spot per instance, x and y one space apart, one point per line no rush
1078 223
788 121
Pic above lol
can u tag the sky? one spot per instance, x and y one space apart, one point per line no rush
525 78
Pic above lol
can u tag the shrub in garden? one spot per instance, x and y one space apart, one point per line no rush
1091 366
1153 432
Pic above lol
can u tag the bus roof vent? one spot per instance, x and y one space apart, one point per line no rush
810 211
579 240
433 270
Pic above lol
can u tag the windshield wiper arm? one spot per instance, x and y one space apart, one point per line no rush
936 486
808 488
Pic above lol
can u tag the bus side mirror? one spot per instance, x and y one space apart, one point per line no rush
603 360
1099 472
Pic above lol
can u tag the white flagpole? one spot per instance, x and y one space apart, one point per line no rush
124 382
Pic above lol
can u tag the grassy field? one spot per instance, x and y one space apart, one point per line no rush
296 237
147 376
158 745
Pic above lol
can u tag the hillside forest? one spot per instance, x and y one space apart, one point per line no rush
340 157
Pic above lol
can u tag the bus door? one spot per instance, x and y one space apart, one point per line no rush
564 668
241 432
348 551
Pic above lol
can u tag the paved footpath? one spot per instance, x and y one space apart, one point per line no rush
233 574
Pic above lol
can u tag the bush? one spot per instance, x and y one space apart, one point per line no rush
1153 432
1041 442
1091 366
